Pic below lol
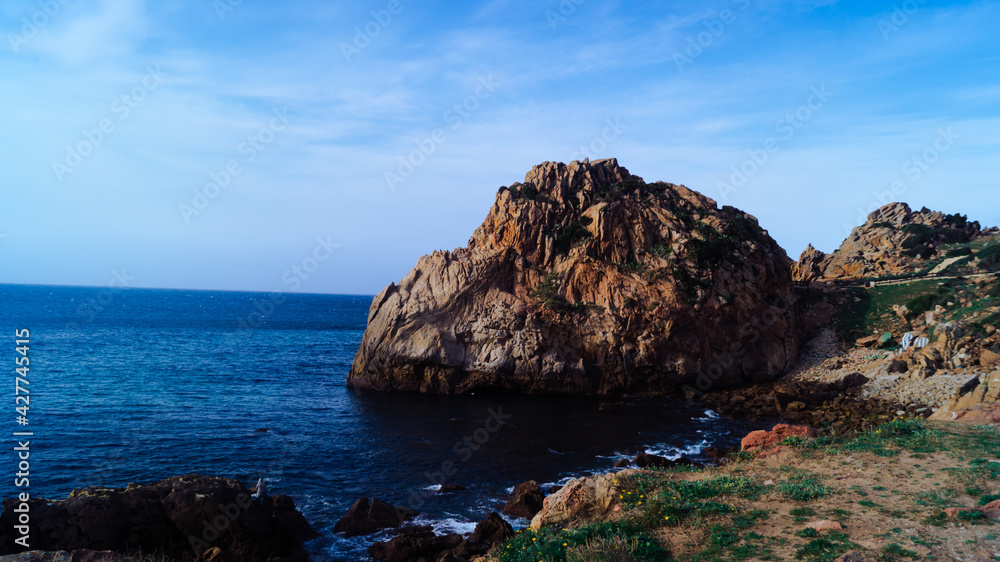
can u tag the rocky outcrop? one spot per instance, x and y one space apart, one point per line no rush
977 402
591 497
181 517
420 543
585 279
365 517
893 241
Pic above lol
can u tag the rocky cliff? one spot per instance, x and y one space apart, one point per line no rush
585 279
893 241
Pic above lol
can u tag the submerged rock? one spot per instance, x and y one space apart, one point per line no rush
585 279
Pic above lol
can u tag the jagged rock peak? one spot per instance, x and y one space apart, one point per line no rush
585 279
558 178
894 240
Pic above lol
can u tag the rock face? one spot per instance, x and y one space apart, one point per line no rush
585 279
892 241
181 517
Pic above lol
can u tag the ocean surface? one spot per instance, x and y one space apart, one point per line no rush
137 385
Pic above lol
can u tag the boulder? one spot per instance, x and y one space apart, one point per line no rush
174 517
526 500
492 530
585 279
643 460
416 542
370 516
450 488
989 359
764 441
591 497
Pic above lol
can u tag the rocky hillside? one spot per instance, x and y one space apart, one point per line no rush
585 279
893 241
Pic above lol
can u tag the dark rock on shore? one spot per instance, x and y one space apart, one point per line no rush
180 517
370 516
526 500
585 279
837 405
492 530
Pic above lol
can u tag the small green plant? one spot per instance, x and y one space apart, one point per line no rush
803 489
894 551
827 547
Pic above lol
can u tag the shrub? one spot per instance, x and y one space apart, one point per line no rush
951 235
569 234
956 252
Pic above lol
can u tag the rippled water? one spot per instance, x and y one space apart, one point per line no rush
139 385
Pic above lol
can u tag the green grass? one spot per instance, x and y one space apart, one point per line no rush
803 489
825 548
619 541
894 552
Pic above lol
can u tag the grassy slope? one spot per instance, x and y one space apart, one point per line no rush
887 487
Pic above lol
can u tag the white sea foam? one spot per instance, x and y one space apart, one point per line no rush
674 453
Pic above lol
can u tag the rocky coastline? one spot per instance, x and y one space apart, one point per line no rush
585 279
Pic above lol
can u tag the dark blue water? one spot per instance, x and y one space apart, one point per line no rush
139 385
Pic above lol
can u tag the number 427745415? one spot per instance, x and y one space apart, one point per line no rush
21 381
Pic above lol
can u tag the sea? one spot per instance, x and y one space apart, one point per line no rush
138 385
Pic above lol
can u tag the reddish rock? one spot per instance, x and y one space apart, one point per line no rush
761 440
585 279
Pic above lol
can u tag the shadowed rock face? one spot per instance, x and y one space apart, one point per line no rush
181 517
584 279
893 241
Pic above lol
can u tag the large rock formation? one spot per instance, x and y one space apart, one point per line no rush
893 241
184 518
585 279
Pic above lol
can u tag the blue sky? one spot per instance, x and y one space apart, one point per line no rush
257 146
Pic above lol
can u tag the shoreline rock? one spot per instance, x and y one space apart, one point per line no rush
181 517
